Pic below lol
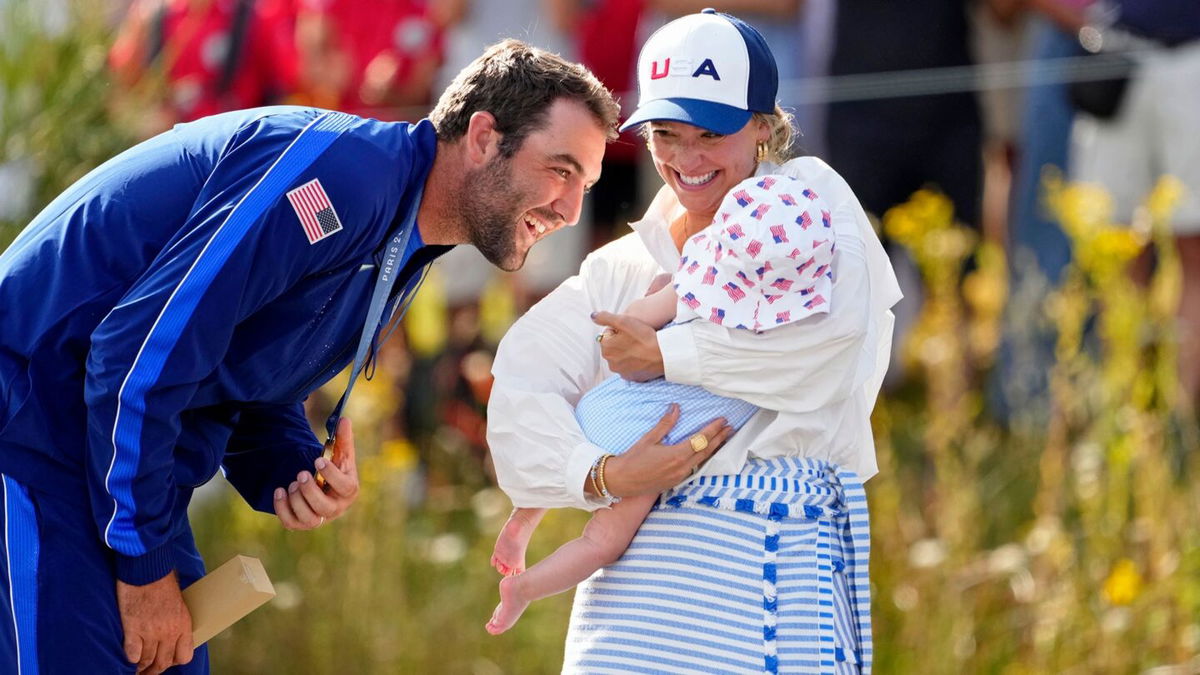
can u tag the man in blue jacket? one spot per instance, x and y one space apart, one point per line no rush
166 317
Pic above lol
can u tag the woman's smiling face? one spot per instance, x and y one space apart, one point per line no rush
700 165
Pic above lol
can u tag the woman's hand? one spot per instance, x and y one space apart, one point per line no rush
630 346
649 467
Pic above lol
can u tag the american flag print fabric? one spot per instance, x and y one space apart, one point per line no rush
315 211
760 229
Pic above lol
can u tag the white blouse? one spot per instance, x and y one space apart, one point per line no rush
816 379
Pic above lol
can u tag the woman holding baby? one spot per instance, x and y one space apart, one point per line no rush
753 556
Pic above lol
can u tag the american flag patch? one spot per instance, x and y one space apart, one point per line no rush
314 210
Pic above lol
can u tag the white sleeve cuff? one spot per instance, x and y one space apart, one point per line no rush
579 467
681 359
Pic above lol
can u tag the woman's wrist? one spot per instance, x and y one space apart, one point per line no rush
598 479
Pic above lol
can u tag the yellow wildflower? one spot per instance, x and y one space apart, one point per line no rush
932 208
911 223
1118 244
1162 200
1124 583
1082 208
427 319
398 454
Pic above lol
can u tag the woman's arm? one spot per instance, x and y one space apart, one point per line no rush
795 368
545 363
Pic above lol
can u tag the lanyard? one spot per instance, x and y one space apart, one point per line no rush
388 271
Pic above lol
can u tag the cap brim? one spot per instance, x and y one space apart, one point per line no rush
716 117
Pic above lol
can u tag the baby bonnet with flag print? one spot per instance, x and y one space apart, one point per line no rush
765 261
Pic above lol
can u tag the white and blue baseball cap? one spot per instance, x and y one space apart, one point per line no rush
710 69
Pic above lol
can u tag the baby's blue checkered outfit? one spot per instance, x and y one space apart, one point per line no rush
616 413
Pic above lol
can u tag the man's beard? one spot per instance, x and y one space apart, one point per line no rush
489 211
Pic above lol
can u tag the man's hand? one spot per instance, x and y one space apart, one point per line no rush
648 467
304 505
158 628
630 346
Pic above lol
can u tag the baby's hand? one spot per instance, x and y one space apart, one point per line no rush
660 282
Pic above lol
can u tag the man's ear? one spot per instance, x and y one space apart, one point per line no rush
482 138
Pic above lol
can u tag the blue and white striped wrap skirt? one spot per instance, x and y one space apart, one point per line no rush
760 572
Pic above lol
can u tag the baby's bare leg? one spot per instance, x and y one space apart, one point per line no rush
604 539
508 556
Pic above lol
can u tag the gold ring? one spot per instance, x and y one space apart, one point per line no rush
600 337
699 442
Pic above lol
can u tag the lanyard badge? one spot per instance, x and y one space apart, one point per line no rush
388 271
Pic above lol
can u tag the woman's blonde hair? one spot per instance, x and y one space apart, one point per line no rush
782 126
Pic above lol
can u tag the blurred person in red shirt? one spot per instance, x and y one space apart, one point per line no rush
215 55
368 58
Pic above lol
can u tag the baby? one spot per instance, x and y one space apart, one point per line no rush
765 261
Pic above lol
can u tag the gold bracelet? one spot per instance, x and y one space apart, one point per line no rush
600 478
592 476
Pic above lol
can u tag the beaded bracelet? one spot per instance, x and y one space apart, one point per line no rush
592 475
600 478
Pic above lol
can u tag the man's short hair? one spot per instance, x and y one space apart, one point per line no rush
517 83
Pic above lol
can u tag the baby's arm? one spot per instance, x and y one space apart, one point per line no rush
656 309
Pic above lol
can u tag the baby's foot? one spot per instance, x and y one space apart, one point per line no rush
511 606
508 556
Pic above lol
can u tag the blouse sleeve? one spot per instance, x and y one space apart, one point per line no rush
544 364
800 367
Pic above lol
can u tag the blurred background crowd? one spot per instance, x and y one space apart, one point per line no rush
1034 511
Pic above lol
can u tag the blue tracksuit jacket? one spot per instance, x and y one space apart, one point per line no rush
167 315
